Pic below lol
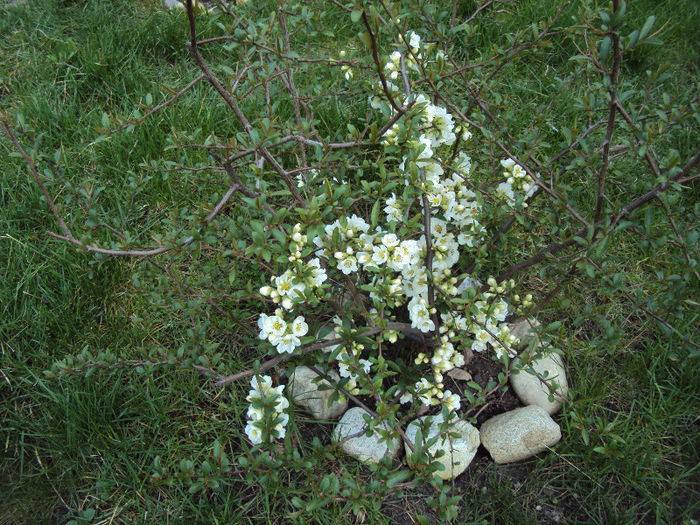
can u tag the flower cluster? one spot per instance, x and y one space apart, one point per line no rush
266 417
392 69
517 180
290 289
284 336
398 265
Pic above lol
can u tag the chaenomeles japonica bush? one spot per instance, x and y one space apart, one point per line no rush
383 200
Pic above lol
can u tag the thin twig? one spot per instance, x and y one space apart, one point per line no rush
37 178
428 251
612 91
158 107
270 363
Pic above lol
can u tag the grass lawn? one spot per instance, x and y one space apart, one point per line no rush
141 444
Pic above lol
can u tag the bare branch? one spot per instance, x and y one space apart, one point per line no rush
612 91
270 363
37 178
428 250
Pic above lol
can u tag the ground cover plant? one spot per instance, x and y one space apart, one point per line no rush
216 177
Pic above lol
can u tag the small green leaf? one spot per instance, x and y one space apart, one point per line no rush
647 27
374 216
398 477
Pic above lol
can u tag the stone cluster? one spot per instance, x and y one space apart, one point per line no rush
538 378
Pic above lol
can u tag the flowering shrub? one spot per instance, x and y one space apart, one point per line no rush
404 262
386 212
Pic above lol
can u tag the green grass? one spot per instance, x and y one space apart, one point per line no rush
91 444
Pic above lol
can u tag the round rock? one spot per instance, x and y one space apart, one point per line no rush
549 378
519 434
459 451
304 387
365 449
523 329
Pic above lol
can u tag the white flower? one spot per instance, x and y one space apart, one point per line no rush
364 258
390 240
348 265
282 403
299 327
380 254
317 272
280 428
424 390
414 41
400 259
406 398
253 433
438 228
286 286
262 321
443 124
508 163
426 155
287 343
420 316
274 326
259 387
366 365
451 401
256 414
358 223
344 369
505 191
481 339
392 209
435 199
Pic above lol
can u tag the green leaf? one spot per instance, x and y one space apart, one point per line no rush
374 216
398 477
647 27
605 49
356 15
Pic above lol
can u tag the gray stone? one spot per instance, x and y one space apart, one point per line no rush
366 449
304 387
459 451
169 4
519 434
468 282
550 378
523 330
